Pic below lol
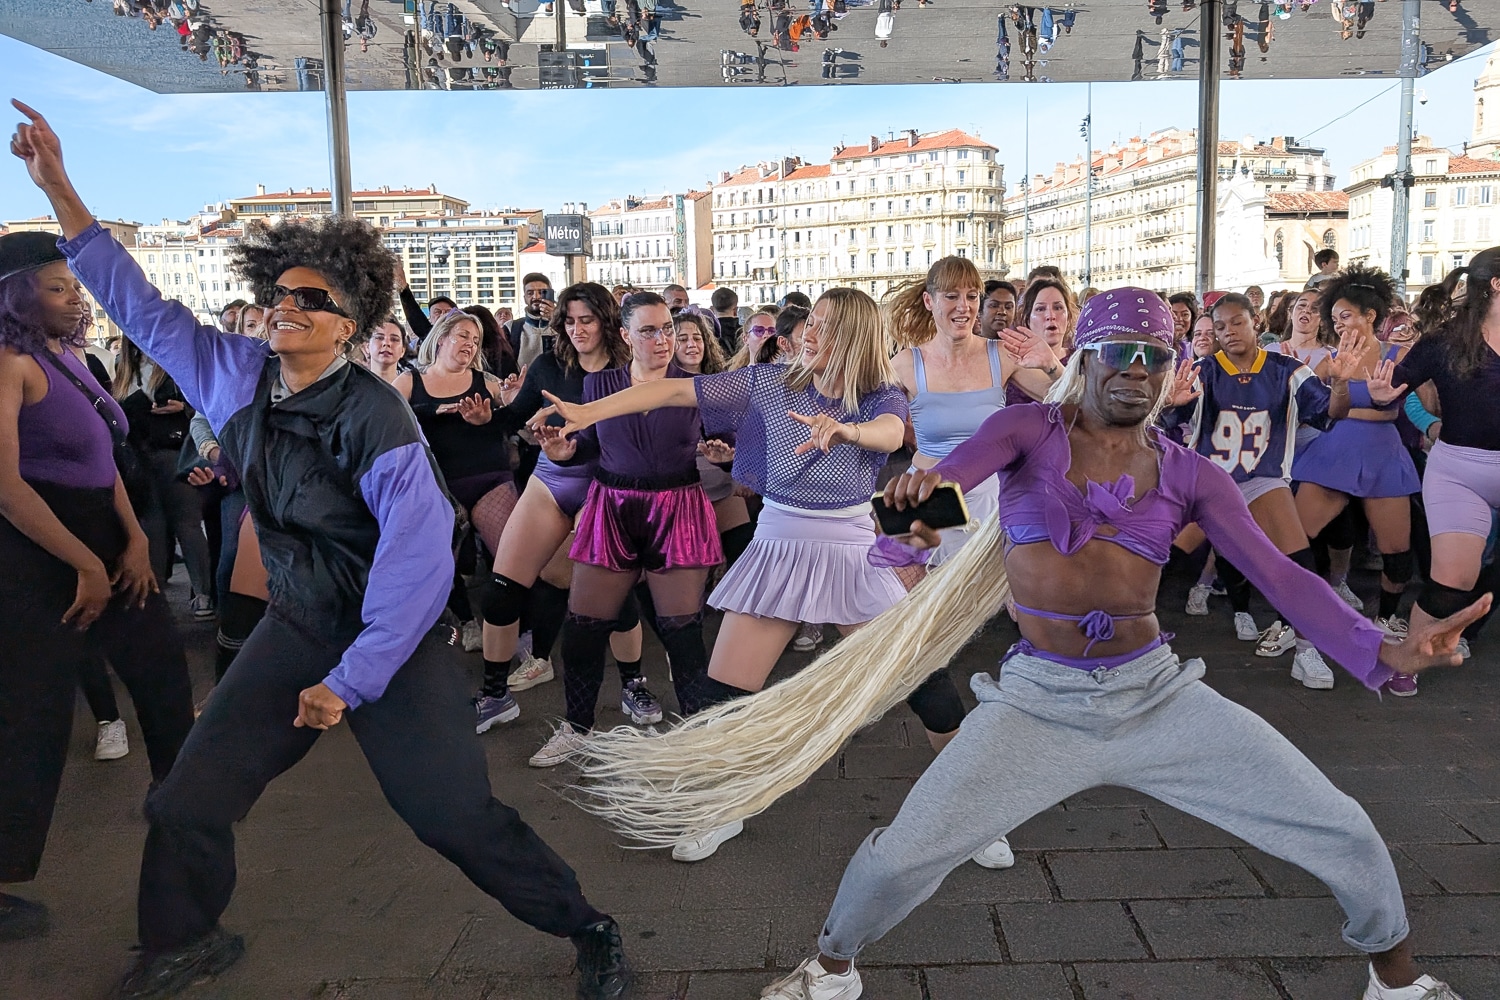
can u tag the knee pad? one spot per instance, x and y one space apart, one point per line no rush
1303 557
503 601
1440 601
630 614
937 703
1339 533
1397 566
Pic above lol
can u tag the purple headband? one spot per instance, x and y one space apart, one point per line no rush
1124 312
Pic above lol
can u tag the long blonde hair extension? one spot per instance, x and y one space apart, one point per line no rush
858 352
734 760
907 317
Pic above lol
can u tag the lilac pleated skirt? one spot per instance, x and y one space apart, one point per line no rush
652 530
803 568
1362 458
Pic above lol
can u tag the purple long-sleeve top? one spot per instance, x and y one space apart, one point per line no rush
355 527
657 446
1027 447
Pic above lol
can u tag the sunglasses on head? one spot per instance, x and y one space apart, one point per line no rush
1121 354
308 299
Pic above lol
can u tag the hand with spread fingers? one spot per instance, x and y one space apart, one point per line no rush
1185 387
1028 349
1435 643
823 432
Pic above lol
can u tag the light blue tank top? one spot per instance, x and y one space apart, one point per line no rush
945 420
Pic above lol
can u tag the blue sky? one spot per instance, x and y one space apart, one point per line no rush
145 157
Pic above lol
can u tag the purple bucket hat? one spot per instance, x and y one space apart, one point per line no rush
1125 311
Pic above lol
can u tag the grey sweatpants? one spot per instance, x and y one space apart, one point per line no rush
1045 732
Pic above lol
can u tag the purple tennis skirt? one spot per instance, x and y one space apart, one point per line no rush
654 530
569 485
803 568
1362 458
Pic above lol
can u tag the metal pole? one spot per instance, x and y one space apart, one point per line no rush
1208 142
1026 196
332 19
1401 180
1088 189
561 6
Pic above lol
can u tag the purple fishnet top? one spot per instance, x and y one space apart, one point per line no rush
754 401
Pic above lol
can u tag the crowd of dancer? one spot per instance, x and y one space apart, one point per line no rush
614 459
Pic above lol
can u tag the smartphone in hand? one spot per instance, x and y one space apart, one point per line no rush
944 509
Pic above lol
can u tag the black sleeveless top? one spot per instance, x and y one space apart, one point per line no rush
462 450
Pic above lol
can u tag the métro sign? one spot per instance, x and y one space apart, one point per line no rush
568 235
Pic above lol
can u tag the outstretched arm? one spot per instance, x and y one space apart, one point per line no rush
217 373
637 399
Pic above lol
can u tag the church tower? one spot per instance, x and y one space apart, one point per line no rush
1484 144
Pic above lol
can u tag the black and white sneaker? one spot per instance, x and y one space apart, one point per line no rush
168 973
603 972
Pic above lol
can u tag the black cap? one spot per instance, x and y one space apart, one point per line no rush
1485 264
25 251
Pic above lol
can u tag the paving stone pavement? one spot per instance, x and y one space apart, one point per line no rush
1114 896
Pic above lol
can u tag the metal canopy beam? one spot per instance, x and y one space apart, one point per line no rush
1208 142
1401 180
341 186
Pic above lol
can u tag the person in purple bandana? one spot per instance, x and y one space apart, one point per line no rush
1091 496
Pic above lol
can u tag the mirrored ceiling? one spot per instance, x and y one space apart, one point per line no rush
178 46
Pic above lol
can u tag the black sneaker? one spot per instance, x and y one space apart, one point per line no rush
21 918
603 972
168 973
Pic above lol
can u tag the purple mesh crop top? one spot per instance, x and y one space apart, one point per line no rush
755 402
1027 446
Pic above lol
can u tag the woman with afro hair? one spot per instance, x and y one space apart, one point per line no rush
356 532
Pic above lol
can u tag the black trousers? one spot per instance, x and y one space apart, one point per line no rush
419 740
41 660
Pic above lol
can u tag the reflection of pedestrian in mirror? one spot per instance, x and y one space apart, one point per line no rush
749 18
885 22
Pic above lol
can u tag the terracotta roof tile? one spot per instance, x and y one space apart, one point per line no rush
951 139
1307 201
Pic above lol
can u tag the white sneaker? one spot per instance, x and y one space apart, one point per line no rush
111 743
1197 603
1463 648
1425 988
997 855
698 848
473 636
563 744
1245 629
202 607
529 674
1276 640
808 637
1309 668
809 981
1394 626
1348 596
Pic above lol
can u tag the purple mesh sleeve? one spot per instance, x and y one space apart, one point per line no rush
1311 606
1003 438
724 399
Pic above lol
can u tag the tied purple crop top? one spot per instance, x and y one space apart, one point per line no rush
1028 447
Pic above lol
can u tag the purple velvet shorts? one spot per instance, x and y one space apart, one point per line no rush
652 530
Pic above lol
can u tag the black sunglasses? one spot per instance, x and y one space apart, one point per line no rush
308 299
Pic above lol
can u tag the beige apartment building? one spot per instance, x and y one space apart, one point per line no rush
379 206
1454 197
1144 212
473 258
874 216
653 242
